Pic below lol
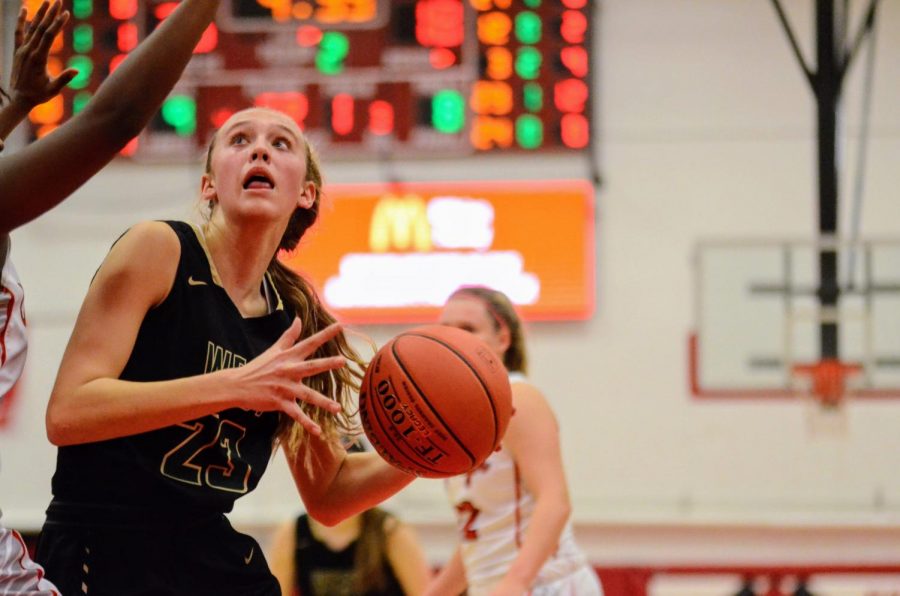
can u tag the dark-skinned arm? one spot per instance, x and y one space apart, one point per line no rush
39 176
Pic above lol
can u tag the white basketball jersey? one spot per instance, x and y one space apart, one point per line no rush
12 328
494 508
18 573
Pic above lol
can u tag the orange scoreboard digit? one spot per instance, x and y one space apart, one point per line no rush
409 78
394 253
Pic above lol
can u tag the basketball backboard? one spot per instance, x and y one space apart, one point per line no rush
757 320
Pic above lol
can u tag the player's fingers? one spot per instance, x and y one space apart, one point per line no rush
37 19
290 335
48 33
42 19
316 340
58 23
57 84
39 26
314 398
314 366
293 410
20 26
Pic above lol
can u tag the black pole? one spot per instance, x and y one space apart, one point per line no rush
827 90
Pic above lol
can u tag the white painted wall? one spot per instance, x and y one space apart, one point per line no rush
706 130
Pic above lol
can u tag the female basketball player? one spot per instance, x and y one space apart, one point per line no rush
370 554
373 553
41 175
514 510
182 371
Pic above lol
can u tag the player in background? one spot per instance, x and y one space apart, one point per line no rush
195 352
373 553
513 512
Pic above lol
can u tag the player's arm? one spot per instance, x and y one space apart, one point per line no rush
30 83
281 556
406 557
451 579
89 401
10 116
533 441
39 176
335 484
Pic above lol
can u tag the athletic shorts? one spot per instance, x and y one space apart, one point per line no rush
19 575
205 557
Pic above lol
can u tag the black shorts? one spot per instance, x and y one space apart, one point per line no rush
193 557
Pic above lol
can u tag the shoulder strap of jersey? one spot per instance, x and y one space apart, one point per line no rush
195 264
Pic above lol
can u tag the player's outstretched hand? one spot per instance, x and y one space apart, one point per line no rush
273 380
30 82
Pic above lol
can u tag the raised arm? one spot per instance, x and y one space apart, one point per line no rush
38 177
90 403
30 83
533 440
336 484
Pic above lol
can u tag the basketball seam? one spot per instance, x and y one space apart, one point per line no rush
386 437
474 372
480 380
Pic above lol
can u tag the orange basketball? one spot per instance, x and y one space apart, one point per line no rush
435 401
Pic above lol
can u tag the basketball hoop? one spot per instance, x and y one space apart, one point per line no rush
828 377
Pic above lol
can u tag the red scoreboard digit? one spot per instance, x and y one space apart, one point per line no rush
362 77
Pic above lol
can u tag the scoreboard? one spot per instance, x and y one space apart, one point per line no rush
363 78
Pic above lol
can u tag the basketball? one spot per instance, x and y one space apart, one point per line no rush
435 401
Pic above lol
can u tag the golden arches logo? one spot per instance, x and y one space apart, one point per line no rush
400 223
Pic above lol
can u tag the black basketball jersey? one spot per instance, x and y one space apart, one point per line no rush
203 464
321 571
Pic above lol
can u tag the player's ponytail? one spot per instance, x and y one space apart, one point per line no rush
339 384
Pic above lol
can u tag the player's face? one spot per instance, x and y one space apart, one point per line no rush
258 166
470 314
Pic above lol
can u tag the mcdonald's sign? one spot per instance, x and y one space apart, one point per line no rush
392 254
400 223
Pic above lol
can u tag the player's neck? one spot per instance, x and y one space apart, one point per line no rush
241 259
